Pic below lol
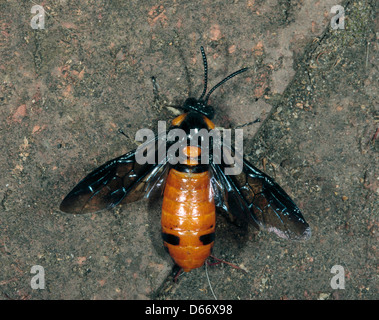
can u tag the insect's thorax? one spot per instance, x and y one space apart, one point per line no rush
196 127
193 120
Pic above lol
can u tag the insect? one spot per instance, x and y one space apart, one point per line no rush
192 190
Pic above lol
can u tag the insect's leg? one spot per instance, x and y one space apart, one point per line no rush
157 99
226 262
241 125
155 89
212 263
247 123
177 271
160 102
123 133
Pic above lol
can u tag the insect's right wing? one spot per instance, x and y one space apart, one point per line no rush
122 179
227 196
253 195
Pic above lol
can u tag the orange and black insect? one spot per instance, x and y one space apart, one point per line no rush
192 191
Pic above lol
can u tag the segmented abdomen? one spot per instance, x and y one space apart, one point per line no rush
188 218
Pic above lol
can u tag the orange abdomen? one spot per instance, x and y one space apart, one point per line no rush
188 218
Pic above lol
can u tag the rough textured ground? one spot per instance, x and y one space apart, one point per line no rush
66 90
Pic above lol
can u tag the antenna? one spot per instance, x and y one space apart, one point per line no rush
205 72
222 82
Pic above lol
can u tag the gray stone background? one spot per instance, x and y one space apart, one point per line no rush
65 90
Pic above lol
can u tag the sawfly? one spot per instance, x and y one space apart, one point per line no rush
192 190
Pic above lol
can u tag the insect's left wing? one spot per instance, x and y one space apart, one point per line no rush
254 193
122 179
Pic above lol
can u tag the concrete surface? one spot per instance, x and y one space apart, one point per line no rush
66 90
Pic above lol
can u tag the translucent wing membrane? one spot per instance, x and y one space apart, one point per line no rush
118 180
253 194
227 196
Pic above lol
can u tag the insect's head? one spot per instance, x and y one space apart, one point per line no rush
201 105
193 104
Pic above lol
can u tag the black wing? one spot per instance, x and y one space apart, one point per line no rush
253 195
122 179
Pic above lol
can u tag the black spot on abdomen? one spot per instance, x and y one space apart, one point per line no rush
170 239
207 238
